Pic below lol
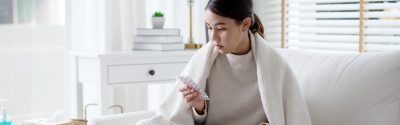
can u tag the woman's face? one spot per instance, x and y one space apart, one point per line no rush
227 35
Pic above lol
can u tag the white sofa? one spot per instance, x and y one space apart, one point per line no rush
340 89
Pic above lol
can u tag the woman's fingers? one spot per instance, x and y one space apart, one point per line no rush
190 97
186 93
187 90
184 87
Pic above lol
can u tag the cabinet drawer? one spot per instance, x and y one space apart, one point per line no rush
143 73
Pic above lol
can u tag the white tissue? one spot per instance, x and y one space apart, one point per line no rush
57 116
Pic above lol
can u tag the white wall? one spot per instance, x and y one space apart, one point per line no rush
32 72
32 63
50 12
103 25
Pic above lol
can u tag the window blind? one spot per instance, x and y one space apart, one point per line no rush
269 12
332 25
382 27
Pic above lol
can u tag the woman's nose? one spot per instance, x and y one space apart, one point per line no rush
214 36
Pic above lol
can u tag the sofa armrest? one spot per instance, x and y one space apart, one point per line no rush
121 119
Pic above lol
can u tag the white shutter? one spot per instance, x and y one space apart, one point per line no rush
332 25
325 24
380 37
269 12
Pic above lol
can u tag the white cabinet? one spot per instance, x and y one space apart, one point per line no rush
122 78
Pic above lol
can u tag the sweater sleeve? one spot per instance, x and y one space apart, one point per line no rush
199 119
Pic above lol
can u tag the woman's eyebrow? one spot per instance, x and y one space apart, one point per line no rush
216 24
219 24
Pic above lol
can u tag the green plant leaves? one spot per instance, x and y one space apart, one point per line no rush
158 14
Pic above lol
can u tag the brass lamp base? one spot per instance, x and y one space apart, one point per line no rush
193 46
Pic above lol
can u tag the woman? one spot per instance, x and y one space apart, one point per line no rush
247 81
234 71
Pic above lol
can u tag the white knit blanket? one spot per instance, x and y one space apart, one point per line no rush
280 94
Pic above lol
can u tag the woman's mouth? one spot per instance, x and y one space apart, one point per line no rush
219 46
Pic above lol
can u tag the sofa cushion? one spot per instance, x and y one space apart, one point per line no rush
349 89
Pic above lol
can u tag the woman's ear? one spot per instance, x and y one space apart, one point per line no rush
246 23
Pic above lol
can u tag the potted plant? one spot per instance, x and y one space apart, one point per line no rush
158 20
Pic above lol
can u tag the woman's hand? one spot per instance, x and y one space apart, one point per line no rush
192 97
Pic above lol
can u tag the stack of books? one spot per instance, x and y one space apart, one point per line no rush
158 39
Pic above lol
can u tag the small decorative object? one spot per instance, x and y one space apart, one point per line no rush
158 20
121 109
190 44
82 121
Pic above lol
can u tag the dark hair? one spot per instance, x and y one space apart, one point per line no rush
237 10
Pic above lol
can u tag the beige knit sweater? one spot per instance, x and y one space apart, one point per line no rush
233 90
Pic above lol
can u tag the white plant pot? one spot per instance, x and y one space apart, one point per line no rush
158 22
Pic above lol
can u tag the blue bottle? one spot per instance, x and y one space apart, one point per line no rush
4 118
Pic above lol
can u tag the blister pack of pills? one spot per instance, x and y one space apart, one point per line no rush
188 81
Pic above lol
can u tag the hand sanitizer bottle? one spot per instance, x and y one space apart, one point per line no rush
4 118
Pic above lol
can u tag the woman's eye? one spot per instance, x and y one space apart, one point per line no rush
221 28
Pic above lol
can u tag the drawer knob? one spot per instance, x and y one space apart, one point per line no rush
152 72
